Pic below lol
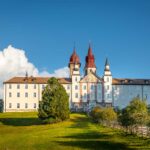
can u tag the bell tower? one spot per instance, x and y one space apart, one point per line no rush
107 83
74 63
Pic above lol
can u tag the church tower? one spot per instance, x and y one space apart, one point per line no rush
107 84
75 76
90 62
74 63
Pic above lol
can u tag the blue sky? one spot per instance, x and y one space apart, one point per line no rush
47 30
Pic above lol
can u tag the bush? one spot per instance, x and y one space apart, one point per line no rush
105 116
135 114
96 114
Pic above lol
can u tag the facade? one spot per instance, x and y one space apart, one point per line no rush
85 92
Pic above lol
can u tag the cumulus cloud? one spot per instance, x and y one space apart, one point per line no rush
14 62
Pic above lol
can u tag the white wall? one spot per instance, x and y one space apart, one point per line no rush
123 94
108 89
31 100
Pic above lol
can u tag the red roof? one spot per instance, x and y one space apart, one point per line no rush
74 57
90 60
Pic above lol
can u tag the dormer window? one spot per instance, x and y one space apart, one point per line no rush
123 81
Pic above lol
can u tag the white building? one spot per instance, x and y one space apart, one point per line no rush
24 93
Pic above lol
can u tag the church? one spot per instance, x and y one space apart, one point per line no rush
85 91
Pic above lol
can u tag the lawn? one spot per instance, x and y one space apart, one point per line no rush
23 131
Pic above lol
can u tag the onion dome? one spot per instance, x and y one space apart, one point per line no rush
74 58
90 60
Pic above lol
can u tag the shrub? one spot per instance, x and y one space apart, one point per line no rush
105 116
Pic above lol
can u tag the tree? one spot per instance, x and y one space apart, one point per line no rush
135 114
54 106
1 105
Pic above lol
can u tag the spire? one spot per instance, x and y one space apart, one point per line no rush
26 74
90 60
107 68
74 49
106 62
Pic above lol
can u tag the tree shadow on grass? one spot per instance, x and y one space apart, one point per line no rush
95 145
93 140
20 121
80 122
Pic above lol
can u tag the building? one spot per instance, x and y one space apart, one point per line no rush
85 92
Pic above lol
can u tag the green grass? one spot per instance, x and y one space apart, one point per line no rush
23 131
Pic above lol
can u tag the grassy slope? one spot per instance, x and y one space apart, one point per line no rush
22 131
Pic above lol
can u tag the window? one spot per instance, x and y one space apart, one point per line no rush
130 81
76 95
115 87
68 87
68 94
18 86
146 96
99 95
26 86
10 95
146 81
107 87
18 105
43 86
99 86
34 94
10 105
18 94
34 105
26 105
34 86
92 87
84 87
76 87
76 79
26 94
108 96
84 95
107 79
9 86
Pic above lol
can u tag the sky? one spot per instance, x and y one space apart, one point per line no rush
38 36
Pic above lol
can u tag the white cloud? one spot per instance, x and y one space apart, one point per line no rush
13 62
62 72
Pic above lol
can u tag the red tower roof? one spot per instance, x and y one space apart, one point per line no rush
90 60
74 57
